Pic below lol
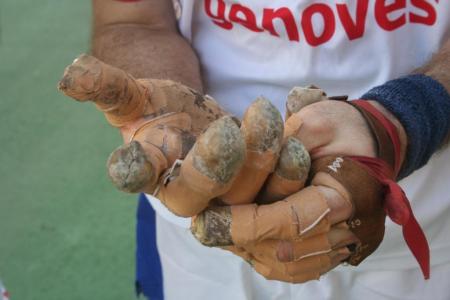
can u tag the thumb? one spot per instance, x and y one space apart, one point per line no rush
331 128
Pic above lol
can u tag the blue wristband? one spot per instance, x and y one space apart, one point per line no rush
422 105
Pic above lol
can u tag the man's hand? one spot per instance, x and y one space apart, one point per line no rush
337 218
332 128
164 122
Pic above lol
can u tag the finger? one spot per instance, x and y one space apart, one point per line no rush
208 170
118 94
312 126
338 256
303 214
300 97
125 99
297 272
168 96
339 238
318 263
304 270
137 166
288 251
262 128
212 227
330 128
271 270
306 213
310 264
290 173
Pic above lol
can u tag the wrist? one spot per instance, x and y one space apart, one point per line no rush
399 127
422 105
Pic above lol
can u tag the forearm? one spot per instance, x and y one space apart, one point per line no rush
421 103
146 44
439 66
439 69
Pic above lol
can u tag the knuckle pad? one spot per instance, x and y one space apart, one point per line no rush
285 251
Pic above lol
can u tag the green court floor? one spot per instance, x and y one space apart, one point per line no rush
65 232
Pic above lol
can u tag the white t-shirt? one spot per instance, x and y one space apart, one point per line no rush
250 48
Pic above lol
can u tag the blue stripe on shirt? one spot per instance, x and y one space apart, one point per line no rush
148 266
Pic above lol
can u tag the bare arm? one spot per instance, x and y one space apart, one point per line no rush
141 38
439 66
439 69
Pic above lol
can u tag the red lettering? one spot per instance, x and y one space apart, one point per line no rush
382 11
248 20
288 19
219 19
430 17
329 24
318 21
353 28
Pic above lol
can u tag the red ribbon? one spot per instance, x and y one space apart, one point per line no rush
396 204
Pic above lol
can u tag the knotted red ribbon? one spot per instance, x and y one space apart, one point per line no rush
396 204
